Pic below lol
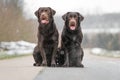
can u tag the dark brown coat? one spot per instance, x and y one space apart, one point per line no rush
45 51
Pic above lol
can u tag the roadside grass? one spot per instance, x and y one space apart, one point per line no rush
6 56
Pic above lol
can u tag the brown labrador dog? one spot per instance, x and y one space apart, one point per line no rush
71 52
45 51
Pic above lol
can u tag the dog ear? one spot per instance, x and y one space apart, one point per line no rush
64 16
36 13
80 16
53 11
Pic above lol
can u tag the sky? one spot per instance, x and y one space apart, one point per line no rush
63 6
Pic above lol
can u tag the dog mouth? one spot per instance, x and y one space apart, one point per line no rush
44 20
72 26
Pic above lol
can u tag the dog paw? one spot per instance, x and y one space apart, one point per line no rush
81 65
44 64
36 64
53 65
65 65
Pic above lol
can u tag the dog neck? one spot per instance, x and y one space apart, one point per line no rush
47 29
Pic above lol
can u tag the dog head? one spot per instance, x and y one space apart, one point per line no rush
72 20
45 15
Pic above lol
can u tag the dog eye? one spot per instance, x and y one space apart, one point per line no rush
75 16
41 10
70 16
45 10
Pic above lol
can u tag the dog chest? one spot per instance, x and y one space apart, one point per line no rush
48 43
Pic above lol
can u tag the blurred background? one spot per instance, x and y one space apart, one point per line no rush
101 25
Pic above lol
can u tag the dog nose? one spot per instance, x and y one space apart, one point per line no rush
43 14
72 20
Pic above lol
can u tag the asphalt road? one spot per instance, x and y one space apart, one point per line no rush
18 69
96 68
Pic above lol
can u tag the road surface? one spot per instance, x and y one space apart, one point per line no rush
18 69
96 68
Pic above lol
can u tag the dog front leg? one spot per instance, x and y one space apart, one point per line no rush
54 54
66 64
44 61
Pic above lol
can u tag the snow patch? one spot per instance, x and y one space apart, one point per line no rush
98 51
104 52
19 47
